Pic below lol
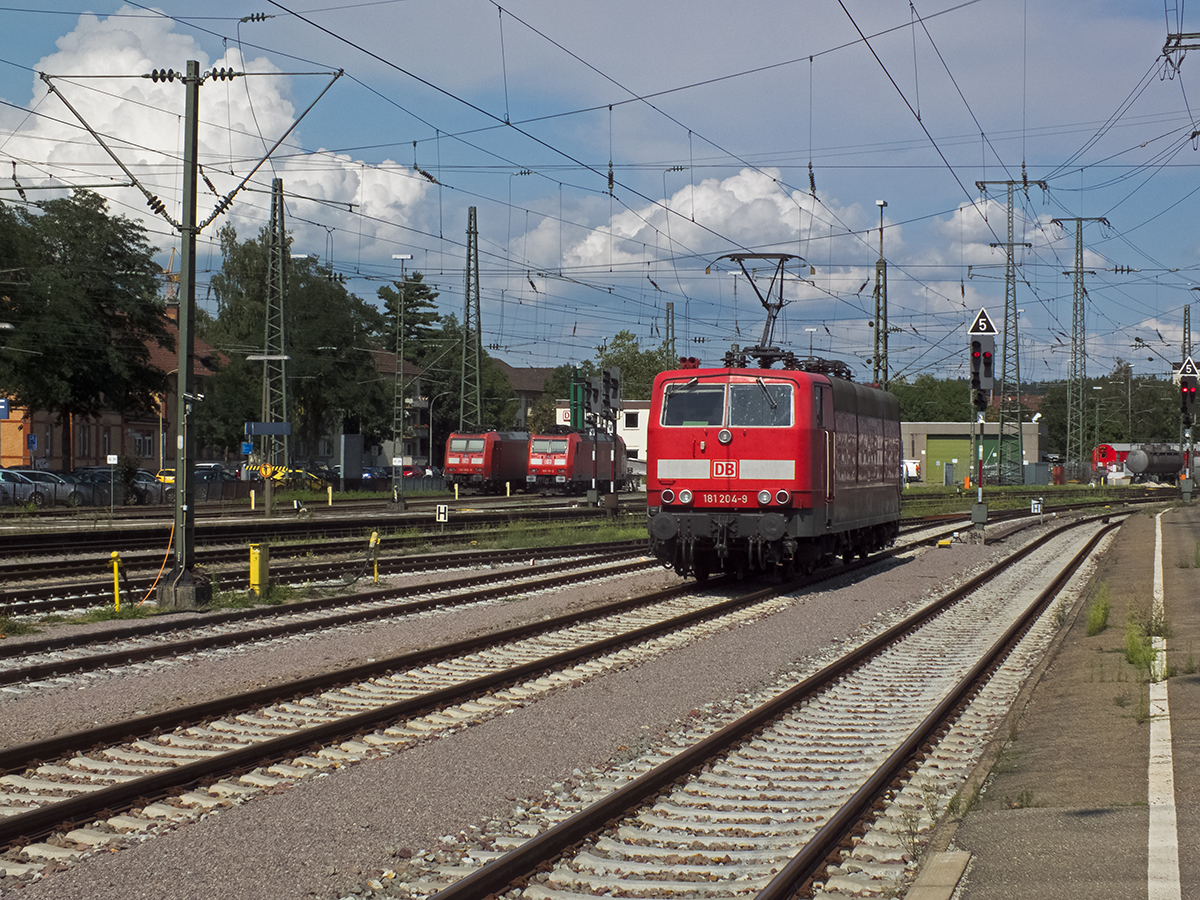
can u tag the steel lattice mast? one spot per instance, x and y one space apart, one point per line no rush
470 411
1010 439
275 449
1077 376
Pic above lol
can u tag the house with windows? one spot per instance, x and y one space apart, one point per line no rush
31 437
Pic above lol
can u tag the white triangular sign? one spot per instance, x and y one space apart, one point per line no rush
1189 368
982 324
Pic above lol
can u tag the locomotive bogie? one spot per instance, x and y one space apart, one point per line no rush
769 471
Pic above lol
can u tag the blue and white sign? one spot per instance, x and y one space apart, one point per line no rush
247 448
31 441
3 407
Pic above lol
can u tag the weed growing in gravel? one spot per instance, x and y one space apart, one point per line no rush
1024 800
14 627
910 836
1138 651
1196 556
1121 700
1060 615
1098 610
1141 712
1190 664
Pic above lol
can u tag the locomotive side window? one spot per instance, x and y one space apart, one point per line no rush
760 405
693 404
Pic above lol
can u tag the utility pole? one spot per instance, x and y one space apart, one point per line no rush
1010 438
399 394
879 368
470 410
670 329
276 450
180 589
1076 402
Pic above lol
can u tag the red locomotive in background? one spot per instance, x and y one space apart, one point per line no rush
755 469
572 463
487 461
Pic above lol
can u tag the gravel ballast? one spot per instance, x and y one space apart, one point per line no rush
324 836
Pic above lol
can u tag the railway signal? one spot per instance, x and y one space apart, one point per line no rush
1187 398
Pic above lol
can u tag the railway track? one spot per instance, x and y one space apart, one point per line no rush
173 766
27 661
293 563
721 814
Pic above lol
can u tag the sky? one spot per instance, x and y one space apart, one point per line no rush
617 152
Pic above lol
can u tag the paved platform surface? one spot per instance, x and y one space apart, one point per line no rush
1064 805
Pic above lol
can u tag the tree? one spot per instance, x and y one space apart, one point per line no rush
638 367
420 316
329 332
930 399
82 296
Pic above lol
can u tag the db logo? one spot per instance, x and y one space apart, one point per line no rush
724 468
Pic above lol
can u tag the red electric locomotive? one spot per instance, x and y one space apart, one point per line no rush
770 470
572 463
488 461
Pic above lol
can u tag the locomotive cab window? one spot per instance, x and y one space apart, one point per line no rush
694 404
760 405
546 445
466 445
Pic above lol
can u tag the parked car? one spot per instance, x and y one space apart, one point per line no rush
50 487
16 489
166 476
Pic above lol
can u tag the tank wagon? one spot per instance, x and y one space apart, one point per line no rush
571 463
755 469
487 461
1154 459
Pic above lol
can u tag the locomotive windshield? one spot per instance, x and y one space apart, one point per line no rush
694 404
756 405
466 445
546 445
760 404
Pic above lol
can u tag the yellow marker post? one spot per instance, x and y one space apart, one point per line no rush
456 492
260 568
251 499
116 564
374 547
331 495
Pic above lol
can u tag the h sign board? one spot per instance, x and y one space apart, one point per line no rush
442 513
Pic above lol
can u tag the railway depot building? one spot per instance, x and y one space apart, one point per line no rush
944 450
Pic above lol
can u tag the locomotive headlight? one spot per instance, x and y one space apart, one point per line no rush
764 497
668 496
724 435
685 496
783 498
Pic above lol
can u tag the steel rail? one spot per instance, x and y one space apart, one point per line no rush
232 638
77 596
505 871
801 870
25 826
